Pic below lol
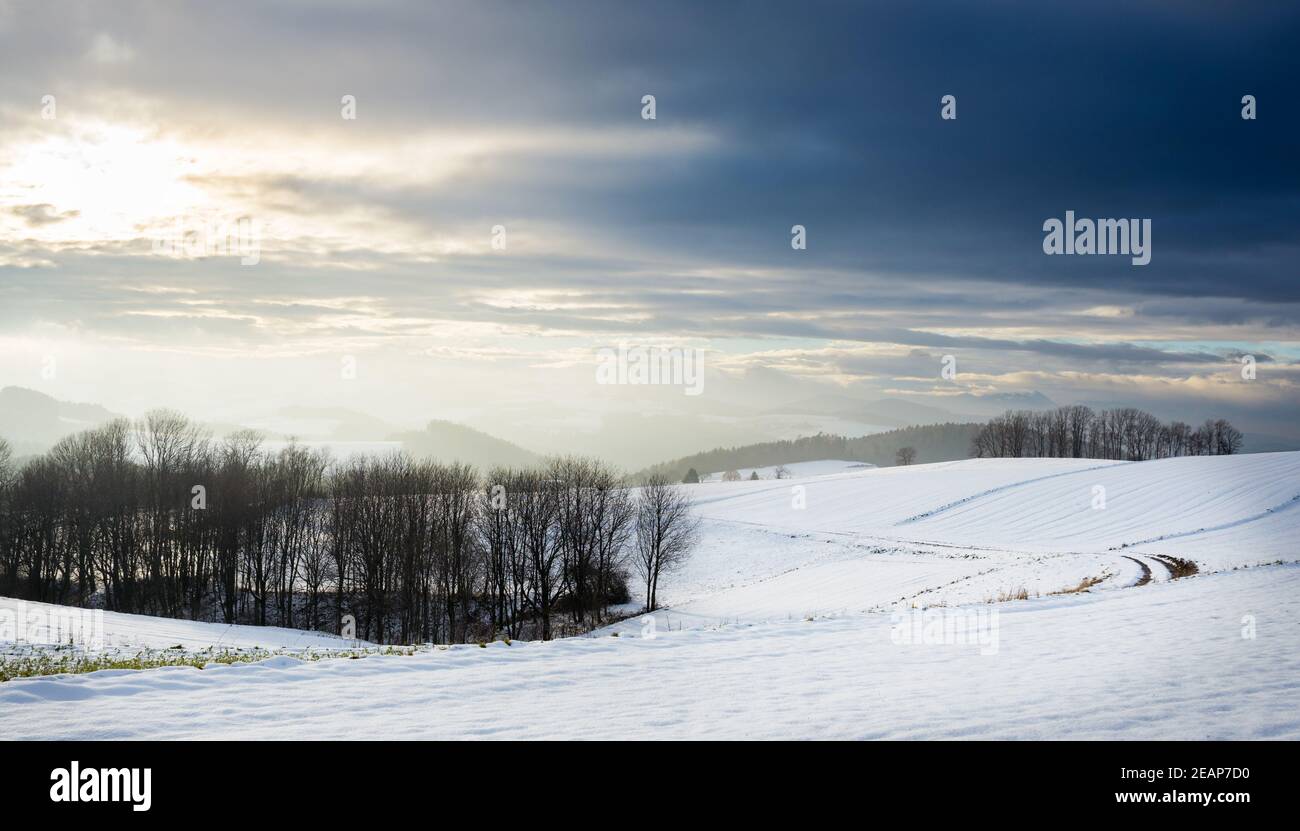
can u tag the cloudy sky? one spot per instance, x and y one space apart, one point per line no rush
124 124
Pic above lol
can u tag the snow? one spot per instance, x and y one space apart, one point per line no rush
785 624
962 532
124 633
1164 661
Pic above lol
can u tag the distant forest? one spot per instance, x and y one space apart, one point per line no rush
1077 432
932 442
1123 433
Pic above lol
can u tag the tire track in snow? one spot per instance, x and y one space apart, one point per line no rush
1146 572
1177 566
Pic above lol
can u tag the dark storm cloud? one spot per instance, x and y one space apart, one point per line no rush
828 116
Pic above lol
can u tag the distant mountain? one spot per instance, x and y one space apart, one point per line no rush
32 421
334 423
908 413
446 441
933 443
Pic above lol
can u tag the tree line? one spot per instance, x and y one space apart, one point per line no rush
156 517
1123 433
931 443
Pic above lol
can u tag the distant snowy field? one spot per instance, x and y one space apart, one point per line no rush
786 623
794 469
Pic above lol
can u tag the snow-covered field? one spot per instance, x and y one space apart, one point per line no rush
123 633
857 604
824 467
970 531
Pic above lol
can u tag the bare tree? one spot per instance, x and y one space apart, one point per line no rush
455 488
6 461
666 531
8 549
905 456
615 523
494 534
575 482
169 443
539 533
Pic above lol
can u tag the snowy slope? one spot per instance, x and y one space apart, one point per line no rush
1164 661
971 531
124 632
1145 501
875 498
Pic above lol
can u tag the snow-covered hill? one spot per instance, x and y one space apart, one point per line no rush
971 531
833 606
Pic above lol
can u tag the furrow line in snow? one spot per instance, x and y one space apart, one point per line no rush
1293 502
1001 488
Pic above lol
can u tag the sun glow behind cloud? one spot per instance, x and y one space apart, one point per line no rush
83 182
111 181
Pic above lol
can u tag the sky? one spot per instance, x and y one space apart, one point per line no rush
499 209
